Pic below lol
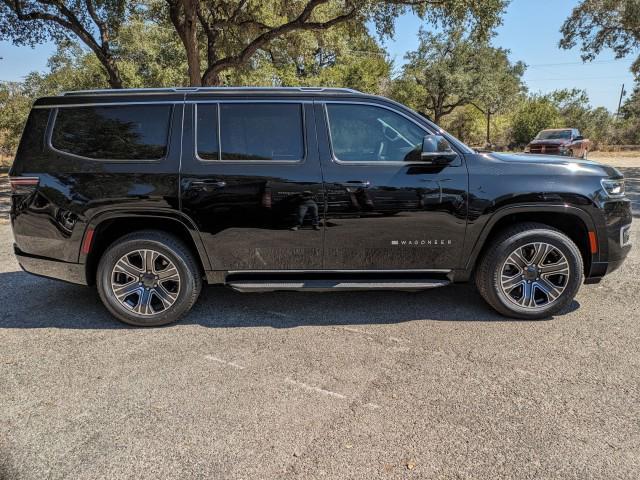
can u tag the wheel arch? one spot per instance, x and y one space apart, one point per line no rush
105 228
572 221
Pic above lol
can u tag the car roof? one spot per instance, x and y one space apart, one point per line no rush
178 94
215 90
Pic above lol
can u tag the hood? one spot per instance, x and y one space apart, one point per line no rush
569 164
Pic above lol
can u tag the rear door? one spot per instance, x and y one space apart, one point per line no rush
386 209
249 170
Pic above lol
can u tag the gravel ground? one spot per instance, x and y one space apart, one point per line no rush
338 385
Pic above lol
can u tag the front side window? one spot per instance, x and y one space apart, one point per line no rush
121 132
365 133
261 131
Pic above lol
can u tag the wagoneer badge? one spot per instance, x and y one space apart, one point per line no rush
420 242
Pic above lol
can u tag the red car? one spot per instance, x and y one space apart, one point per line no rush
560 141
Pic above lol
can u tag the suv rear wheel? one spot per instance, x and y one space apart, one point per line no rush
148 278
530 271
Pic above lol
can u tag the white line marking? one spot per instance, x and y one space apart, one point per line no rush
315 389
219 360
375 406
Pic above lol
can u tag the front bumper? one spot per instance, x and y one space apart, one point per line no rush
46 267
615 230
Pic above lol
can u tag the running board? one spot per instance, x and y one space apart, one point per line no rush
335 285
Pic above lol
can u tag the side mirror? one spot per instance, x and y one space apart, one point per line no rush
436 150
579 137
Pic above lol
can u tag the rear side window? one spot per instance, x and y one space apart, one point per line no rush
208 146
127 132
261 131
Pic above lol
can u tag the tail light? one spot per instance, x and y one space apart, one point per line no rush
266 199
19 183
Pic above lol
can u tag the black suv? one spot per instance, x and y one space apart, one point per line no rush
149 193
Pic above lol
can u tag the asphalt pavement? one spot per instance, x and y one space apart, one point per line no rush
283 385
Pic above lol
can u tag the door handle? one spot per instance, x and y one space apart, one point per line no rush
207 185
357 184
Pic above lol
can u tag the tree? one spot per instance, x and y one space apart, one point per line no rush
14 108
232 32
534 114
499 84
441 74
601 24
94 23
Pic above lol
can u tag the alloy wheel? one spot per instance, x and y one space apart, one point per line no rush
145 281
534 275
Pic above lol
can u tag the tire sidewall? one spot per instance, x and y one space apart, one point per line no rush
559 241
103 280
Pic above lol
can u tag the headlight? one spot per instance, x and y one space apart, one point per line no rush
613 188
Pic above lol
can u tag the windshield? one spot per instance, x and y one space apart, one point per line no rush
554 135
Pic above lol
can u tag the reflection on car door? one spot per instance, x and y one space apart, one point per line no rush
250 170
385 208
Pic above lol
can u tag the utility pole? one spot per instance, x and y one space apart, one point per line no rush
622 92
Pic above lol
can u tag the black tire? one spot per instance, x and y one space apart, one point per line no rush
170 248
490 270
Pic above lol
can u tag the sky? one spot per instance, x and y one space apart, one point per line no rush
530 30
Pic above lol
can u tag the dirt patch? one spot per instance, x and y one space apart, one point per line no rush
617 159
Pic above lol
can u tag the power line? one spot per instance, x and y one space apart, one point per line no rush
576 63
576 78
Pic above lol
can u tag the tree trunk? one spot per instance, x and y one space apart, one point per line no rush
211 80
191 41
109 64
187 30
488 127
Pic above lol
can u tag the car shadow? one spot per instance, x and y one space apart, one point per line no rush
33 302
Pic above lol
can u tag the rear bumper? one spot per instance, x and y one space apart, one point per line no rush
46 267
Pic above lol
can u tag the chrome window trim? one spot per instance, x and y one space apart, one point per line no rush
229 161
368 163
105 104
52 124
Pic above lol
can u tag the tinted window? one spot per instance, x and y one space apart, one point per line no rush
113 132
261 131
364 133
208 148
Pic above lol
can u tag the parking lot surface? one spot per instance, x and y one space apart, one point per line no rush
337 385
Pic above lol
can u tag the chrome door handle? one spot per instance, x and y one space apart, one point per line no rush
357 184
207 184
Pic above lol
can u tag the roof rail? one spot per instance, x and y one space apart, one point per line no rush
127 91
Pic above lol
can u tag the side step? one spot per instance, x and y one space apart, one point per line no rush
335 285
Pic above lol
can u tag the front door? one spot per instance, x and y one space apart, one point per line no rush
251 180
387 210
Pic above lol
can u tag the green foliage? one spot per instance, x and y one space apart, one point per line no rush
532 115
604 24
14 109
441 74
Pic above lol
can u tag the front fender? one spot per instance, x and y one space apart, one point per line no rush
476 247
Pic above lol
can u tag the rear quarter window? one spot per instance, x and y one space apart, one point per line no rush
119 132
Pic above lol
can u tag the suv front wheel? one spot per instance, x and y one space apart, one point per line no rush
531 271
148 278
